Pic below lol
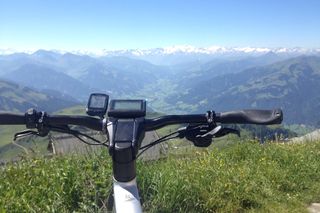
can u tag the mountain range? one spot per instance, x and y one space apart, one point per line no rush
78 75
181 53
292 85
185 53
17 98
222 79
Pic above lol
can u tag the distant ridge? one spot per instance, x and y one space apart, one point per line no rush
17 98
292 85
176 49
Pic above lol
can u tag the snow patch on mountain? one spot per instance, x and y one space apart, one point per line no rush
174 50
211 50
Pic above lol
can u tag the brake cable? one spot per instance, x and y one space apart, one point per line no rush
198 140
77 134
60 129
180 132
160 140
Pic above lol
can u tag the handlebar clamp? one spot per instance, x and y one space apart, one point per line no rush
37 120
31 118
211 116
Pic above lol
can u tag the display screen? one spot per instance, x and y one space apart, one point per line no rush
97 101
127 108
127 105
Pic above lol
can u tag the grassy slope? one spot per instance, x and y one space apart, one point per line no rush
7 132
76 110
243 177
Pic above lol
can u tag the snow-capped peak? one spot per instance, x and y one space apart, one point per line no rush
211 50
172 50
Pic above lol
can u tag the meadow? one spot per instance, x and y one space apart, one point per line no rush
243 177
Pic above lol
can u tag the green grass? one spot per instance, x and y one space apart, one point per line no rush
32 146
245 177
75 110
7 132
55 185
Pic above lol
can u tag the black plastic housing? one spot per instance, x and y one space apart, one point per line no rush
127 112
97 111
125 140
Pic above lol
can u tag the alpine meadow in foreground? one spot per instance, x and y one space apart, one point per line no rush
243 177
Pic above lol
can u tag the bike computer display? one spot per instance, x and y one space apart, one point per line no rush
97 104
127 108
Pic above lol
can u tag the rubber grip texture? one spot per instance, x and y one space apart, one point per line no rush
251 116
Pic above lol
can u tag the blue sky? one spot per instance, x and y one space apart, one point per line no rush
93 24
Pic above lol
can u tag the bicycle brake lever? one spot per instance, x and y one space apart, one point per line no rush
24 133
224 131
211 133
182 132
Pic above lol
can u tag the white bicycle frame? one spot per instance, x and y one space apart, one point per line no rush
126 197
125 194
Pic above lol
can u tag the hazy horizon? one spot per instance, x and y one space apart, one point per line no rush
168 49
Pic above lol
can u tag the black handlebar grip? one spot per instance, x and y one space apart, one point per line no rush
251 116
12 119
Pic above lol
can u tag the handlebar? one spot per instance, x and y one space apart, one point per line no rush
264 117
20 119
89 122
12 119
253 116
156 123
